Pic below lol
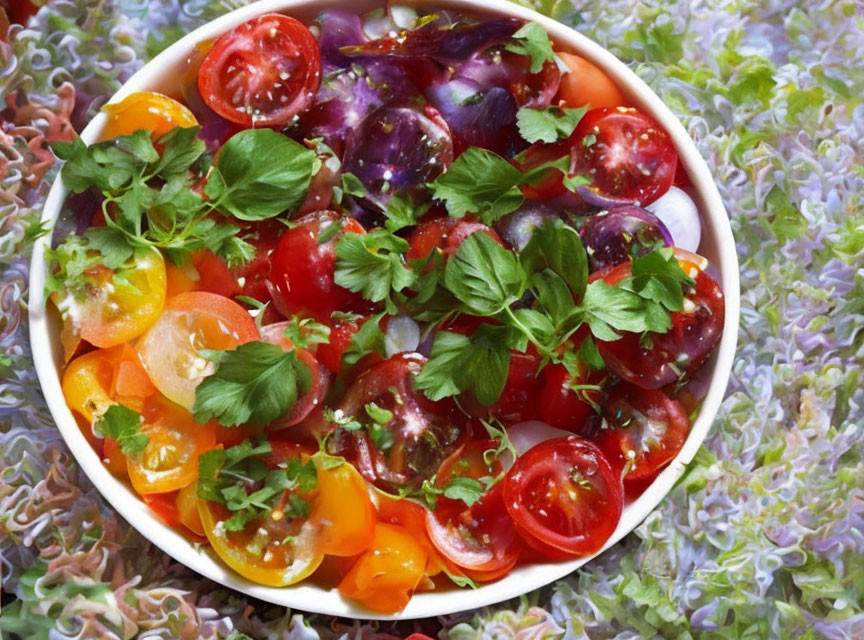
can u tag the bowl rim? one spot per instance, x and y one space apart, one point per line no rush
313 598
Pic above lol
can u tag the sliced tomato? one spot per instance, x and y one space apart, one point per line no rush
170 460
187 509
275 333
154 112
164 505
628 156
444 233
565 494
114 310
655 360
518 400
87 383
130 384
205 272
480 539
412 516
423 432
341 332
342 509
190 323
114 459
587 85
273 549
643 428
476 460
565 407
385 577
550 183
271 552
301 269
263 72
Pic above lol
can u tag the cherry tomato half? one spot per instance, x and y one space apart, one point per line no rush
301 269
468 461
480 539
642 427
263 72
145 110
655 360
627 155
191 322
586 84
444 233
385 577
114 310
420 435
565 494
562 406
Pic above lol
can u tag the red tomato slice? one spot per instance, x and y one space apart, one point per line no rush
563 407
444 233
626 153
191 322
341 331
480 539
423 432
468 461
275 333
263 72
642 426
665 358
301 269
564 493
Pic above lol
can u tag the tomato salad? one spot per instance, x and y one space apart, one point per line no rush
386 302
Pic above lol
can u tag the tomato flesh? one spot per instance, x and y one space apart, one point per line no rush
626 154
643 428
263 72
564 493
301 269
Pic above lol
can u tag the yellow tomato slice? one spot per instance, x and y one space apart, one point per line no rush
342 511
272 552
385 577
87 382
170 460
191 322
145 110
115 310
187 508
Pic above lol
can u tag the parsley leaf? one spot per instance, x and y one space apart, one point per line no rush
484 276
557 246
306 332
124 425
256 383
479 182
549 124
463 488
401 212
608 309
260 173
658 276
368 339
459 362
532 40
373 264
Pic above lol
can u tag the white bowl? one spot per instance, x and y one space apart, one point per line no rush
717 245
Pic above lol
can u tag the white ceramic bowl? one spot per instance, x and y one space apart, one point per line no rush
718 246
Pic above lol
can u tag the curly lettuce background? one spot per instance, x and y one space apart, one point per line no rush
764 538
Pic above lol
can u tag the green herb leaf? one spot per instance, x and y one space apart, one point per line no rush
402 212
548 125
124 425
468 490
484 276
479 182
659 277
260 173
256 383
459 362
532 40
306 332
609 309
557 246
372 264
368 339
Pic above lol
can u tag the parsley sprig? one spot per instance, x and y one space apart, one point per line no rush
124 425
239 479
